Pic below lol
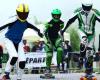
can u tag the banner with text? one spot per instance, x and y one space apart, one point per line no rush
38 59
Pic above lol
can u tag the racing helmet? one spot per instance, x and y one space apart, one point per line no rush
56 14
22 11
87 5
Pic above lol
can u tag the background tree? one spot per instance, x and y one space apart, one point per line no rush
74 38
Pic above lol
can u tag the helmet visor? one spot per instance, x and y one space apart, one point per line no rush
87 8
56 16
22 15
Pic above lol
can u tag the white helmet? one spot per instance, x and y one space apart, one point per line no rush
87 5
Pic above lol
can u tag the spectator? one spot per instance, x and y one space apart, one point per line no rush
35 70
41 46
26 47
66 55
34 48
1 54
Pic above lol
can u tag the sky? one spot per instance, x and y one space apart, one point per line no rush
42 10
